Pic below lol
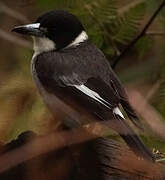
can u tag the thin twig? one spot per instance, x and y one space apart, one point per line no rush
13 13
129 6
154 33
160 160
7 36
21 42
152 117
152 90
139 36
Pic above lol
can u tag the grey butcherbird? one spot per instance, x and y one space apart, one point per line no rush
74 77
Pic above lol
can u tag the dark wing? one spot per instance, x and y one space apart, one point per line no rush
116 85
94 94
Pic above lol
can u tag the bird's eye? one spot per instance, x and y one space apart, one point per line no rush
43 29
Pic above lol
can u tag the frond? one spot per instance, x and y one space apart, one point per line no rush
126 25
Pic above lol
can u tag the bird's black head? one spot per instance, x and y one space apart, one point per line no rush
58 26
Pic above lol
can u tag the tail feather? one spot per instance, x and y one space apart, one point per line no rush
131 114
130 137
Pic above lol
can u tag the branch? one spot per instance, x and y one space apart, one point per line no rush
53 141
58 140
109 159
123 53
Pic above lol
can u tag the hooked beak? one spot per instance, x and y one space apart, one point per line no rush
30 29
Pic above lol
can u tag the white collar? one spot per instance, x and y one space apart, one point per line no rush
79 39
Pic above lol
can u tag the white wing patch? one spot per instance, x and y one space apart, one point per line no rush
97 97
91 94
117 111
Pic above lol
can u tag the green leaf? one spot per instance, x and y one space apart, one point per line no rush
127 23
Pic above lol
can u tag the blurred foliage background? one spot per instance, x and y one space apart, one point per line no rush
111 25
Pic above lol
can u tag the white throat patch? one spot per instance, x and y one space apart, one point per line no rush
42 44
79 39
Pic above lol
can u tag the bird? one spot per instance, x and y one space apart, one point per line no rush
76 80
